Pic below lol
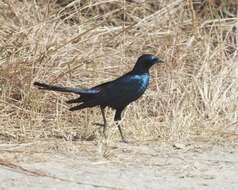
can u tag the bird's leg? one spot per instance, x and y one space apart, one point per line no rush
122 136
104 121
117 118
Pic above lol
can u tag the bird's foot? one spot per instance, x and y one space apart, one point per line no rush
124 141
104 134
99 124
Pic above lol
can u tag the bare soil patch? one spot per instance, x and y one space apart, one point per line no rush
140 165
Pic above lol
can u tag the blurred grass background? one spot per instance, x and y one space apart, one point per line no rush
87 42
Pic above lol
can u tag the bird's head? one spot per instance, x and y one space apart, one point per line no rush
145 61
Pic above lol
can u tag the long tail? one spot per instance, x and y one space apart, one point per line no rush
85 100
79 91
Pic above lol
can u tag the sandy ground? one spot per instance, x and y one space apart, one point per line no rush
142 165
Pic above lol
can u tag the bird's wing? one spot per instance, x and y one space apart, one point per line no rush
102 86
105 85
123 90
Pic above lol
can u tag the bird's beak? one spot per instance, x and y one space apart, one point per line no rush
158 60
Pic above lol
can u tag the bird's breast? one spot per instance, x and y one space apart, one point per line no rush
141 81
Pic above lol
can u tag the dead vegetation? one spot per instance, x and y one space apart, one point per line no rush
83 43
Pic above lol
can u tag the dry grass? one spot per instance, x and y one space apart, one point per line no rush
83 43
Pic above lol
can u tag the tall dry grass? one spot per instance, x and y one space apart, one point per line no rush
83 43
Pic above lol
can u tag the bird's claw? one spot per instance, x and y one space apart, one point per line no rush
99 124
124 141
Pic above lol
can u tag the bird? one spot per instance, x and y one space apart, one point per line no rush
116 94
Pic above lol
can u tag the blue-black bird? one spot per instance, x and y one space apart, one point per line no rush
116 94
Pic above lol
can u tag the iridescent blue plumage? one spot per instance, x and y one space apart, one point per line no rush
116 94
119 93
